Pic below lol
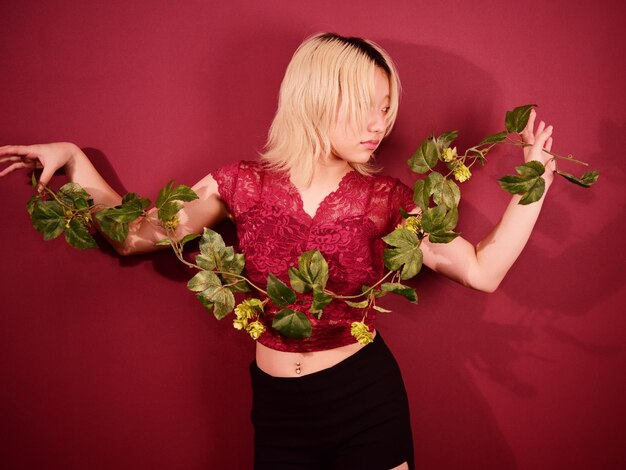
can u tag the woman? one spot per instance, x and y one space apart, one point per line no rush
327 401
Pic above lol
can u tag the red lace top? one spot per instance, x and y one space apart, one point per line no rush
273 230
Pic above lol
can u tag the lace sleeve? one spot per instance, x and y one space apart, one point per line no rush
226 177
401 198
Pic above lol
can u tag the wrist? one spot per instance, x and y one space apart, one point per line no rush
74 154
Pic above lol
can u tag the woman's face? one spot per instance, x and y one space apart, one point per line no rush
357 147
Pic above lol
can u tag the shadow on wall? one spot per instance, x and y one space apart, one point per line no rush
446 333
452 422
434 342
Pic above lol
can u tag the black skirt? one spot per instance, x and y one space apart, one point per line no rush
354 415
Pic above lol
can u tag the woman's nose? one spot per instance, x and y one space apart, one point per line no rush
376 122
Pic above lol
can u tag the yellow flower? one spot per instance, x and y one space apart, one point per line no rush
461 172
248 309
449 154
413 224
255 329
361 332
240 324
172 223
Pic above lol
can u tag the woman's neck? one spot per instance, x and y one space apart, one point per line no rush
326 174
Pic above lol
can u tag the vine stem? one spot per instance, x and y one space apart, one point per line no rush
366 293
178 251
177 248
569 158
243 278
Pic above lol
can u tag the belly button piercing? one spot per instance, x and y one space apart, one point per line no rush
298 370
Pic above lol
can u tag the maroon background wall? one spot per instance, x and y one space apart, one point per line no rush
111 363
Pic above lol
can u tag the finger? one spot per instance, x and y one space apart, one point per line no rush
10 158
46 176
540 128
16 150
12 167
542 137
27 162
548 145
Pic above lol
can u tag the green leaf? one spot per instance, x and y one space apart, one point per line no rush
320 302
495 138
168 199
529 183
297 281
446 138
585 180
442 236
213 293
122 214
380 309
450 220
169 210
48 217
406 255
188 238
32 202
203 280
445 191
221 301
114 221
135 199
292 324
425 157
164 242
33 180
77 235
278 292
237 285
230 261
206 262
516 120
400 289
211 242
212 248
117 231
433 218
74 196
361 304
420 195
312 272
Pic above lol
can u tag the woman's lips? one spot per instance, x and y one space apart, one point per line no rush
370 144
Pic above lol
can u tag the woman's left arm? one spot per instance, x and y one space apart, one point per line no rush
483 266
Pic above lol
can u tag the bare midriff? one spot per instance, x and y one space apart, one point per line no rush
297 364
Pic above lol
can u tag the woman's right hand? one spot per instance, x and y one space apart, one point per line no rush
50 157
205 211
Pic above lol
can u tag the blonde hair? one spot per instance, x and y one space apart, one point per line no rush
326 70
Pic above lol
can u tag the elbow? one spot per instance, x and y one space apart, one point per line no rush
489 288
486 285
123 249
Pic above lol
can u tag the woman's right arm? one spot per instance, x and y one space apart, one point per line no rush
207 210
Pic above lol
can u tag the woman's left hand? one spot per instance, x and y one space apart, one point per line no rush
539 139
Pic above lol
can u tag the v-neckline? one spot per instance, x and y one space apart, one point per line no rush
325 199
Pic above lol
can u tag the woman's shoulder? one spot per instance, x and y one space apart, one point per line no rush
241 168
385 183
257 167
